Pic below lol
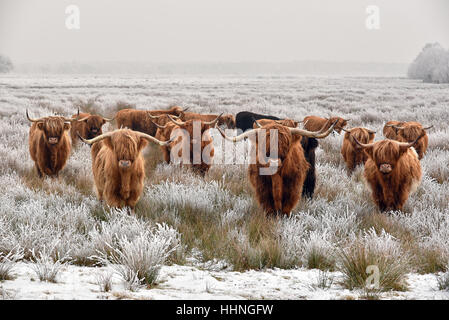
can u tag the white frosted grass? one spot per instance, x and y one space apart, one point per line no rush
139 259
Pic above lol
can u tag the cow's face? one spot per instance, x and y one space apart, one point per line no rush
93 126
228 120
410 131
385 154
53 129
362 135
340 124
126 146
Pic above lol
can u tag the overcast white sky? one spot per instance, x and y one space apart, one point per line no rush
220 30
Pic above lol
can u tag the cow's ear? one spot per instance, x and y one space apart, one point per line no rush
371 137
40 125
66 126
141 144
108 142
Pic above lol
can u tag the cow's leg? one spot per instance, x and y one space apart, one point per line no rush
276 185
39 172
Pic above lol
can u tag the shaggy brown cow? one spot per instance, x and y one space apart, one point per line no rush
118 166
49 144
392 172
285 122
314 123
143 121
87 126
389 131
226 119
279 191
410 131
200 147
351 151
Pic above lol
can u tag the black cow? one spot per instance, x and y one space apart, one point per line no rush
245 120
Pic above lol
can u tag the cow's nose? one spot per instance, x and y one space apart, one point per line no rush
385 168
53 140
124 163
94 130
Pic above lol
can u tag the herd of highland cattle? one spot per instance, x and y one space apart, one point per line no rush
392 167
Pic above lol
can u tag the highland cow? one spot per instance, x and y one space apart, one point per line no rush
351 151
191 136
87 126
226 119
389 131
144 121
410 131
245 120
308 145
118 166
392 172
280 191
314 123
49 144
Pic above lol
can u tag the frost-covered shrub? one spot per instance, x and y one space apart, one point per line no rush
383 252
7 262
45 266
139 259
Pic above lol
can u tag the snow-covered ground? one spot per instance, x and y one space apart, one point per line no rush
62 219
189 282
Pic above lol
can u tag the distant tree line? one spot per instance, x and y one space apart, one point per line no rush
5 64
431 65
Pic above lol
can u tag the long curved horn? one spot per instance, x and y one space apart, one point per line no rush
312 134
239 137
214 121
83 119
410 144
96 139
174 121
427 128
108 120
154 140
369 131
158 125
363 145
257 123
31 119
184 110
153 117
397 127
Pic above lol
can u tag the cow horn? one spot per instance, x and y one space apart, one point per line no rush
96 139
184 110
410 144
312 134
174 121
239 137
257 123
363 145
397 127
369 131
154 140
349 131
153 117
158 125
214 121
83 119
32 120
427 128
109 120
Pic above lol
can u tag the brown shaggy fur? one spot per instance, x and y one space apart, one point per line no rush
285 122
353 153
89 128
138 120
163 134
391 190
49 158
119 186
391 132
410 132
314 123
280 192
225 119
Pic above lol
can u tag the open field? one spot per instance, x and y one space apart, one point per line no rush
201 229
